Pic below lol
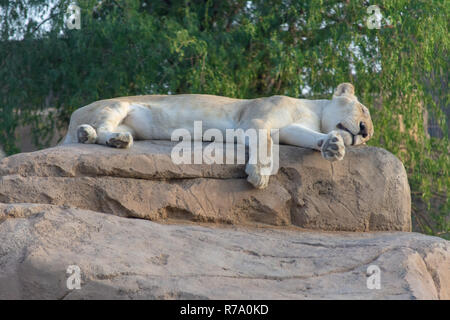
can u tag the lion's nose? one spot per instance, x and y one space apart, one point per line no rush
363 129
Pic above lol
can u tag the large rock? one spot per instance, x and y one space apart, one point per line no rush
366 191
122 258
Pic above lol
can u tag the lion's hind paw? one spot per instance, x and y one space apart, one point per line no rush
121 140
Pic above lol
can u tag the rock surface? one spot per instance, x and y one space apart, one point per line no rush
122 258
367 191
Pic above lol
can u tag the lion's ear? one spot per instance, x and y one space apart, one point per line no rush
344 88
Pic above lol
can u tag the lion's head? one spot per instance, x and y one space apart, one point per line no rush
348 116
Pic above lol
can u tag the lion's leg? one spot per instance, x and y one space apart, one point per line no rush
109 128
331 145
260 143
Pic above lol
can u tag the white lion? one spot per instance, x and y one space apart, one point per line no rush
325 125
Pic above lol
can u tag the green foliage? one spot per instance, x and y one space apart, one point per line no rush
241 49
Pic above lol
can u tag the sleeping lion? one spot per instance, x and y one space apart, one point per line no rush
324 125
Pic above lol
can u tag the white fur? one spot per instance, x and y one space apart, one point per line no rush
304 123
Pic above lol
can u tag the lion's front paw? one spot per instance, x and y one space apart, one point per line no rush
255 176
333 147
121 140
